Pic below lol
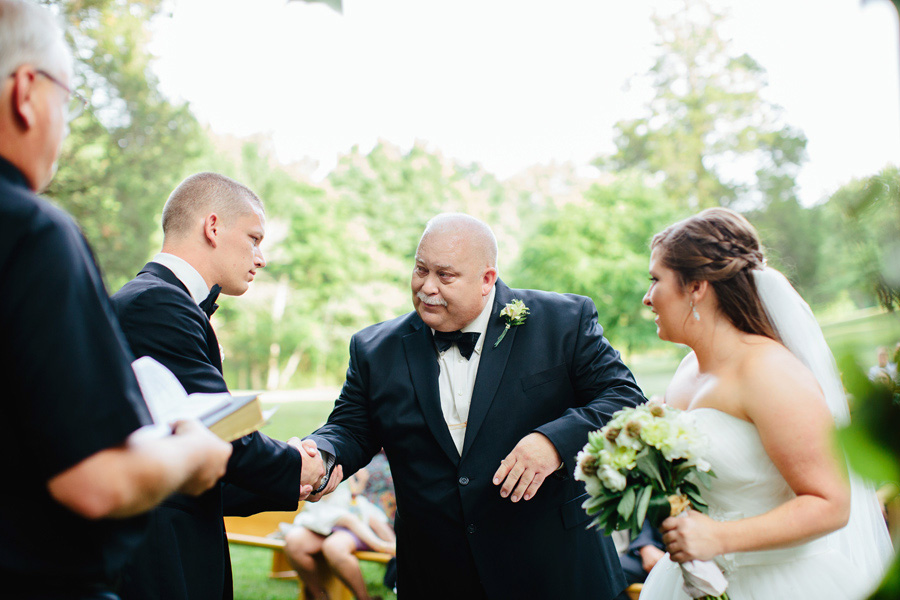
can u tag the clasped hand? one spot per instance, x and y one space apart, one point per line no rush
313 470
691 536
525 468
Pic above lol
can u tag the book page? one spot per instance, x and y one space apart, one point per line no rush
165 396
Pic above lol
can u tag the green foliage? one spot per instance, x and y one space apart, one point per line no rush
126 154
707 127
871 444
600 248
865 253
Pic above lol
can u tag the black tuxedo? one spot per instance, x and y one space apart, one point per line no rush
186 553
457 538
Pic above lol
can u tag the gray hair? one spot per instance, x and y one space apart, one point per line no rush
476 232
204 193
31 34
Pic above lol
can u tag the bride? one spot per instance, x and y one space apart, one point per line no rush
762 385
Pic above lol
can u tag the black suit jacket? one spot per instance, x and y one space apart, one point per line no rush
185 556
457 538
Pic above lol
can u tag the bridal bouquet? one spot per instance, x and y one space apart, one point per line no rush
647 463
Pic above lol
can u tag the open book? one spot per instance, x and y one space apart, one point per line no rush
229 417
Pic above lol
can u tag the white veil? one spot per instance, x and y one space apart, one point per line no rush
865 540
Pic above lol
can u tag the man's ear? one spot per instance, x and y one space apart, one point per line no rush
23 96
488 280
211 229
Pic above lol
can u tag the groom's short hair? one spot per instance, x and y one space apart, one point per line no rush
477 233
202 194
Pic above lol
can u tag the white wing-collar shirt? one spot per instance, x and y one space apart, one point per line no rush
188 275
457 376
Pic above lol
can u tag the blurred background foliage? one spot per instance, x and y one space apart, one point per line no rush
340 249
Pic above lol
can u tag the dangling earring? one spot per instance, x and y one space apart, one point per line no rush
694 311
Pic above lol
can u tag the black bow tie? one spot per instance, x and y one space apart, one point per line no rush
209 305
464 341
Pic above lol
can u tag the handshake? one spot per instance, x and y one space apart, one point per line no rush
318 475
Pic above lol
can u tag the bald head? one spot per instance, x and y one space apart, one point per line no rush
469 231
202 194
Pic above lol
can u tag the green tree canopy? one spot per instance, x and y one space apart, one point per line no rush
126 154
601 248
707 132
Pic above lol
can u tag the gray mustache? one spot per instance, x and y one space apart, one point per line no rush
431 301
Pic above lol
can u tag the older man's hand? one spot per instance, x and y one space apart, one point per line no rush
523 471
337 475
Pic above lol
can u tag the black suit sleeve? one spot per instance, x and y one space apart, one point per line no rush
348 435
603 385
162 323
165 324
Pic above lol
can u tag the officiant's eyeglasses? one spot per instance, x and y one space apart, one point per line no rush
77 102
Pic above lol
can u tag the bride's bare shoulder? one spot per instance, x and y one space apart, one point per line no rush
768 369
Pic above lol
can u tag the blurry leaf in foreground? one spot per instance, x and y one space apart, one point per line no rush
872 445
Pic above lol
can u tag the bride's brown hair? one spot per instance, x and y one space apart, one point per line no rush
720 246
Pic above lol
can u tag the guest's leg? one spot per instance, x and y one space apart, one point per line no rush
338 549
366 535
301 545
383 530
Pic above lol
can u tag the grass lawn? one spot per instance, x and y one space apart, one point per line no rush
859 335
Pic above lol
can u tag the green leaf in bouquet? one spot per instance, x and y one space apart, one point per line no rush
694 494
648 466
626 504
705 478
658 510
643 503
592 505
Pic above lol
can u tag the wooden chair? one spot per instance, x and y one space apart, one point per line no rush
252 531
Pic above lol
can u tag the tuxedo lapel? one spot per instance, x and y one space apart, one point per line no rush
424 371
491 367
213 352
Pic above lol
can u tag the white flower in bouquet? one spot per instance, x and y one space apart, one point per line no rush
647 462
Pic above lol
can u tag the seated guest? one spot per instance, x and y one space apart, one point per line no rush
883 366
332 529
77 465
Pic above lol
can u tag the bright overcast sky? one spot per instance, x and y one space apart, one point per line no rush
512 83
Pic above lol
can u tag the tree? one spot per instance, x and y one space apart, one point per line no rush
600 248
124 157
864 254
707 133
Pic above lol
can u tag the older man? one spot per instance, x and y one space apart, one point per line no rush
481 415
213 227
75 472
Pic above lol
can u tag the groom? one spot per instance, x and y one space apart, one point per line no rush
482 432
212 230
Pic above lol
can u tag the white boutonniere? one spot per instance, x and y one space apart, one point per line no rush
513 313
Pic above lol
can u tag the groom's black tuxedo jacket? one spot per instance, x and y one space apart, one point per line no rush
185 555
457 538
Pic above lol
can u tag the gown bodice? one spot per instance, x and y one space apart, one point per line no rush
747 484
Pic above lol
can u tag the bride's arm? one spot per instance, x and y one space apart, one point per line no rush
785 403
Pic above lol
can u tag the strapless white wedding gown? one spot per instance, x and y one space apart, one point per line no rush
749 484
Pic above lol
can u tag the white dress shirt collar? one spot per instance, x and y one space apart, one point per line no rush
185 273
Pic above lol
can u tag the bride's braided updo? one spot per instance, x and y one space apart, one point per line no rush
720 246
